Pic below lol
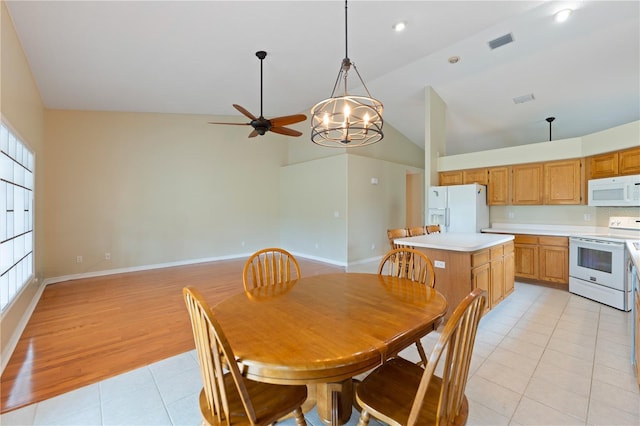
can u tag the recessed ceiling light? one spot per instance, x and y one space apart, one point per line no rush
454 59
562 15
399 26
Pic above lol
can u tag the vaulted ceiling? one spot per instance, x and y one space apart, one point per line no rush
198 57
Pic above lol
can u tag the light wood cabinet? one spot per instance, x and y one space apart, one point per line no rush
450 178
479 176
481 278
526 256
544 258
497 275
563 182
527 184
498 186
509 270
492 271
603 165
619 163
629 161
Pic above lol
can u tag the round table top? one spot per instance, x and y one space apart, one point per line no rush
326 328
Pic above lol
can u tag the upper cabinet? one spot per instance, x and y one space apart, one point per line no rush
498 186
629 161
527 184
555 182
479 176
563 182
450 178
610 164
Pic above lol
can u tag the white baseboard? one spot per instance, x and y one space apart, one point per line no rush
54 280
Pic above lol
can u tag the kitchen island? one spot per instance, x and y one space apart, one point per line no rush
464 261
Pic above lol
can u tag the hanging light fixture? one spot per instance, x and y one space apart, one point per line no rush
346 120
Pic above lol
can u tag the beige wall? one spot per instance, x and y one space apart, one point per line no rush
331 211
22 110
156 188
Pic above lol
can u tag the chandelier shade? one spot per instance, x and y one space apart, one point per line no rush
347 120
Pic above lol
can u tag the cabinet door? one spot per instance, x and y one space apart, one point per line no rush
526 261
509 279
603 165
629 162
450 178
480 277
497 281
527 184
498 186
479 176
554 264
563 182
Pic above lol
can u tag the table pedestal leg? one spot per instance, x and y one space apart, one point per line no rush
335 402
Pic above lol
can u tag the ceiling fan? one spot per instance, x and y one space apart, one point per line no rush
262 125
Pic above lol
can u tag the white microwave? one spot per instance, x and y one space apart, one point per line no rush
620 191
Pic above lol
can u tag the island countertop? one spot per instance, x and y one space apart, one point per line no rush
454 241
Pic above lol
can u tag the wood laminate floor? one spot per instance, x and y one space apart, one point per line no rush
84 331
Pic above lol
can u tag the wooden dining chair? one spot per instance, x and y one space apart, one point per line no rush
433 229
227 397
269 266
405 262
417 230
404 394
394 233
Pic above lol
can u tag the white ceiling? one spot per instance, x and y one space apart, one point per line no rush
199 58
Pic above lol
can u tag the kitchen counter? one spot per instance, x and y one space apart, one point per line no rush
465 261
543 229
464 242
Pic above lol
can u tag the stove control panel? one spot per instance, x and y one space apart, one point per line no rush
624 222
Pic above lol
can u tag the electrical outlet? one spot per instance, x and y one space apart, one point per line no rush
511 215
107 256
78 259
587 217
373 247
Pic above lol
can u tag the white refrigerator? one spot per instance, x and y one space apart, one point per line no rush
458 208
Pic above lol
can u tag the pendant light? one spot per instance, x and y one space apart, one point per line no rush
346 120
550 120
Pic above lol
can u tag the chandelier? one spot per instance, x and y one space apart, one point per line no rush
346 120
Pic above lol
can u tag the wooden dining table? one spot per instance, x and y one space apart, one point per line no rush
325 329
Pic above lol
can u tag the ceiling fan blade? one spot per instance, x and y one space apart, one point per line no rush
233 124
244 111
285 131
253 134
287 119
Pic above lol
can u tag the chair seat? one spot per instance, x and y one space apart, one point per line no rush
267 399
391 400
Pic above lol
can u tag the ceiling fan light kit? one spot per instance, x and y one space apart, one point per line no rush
345 120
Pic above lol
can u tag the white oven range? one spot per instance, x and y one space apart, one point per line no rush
598 263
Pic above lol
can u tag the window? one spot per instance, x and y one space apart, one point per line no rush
16 216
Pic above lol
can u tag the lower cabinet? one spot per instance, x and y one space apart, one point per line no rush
493 271
543 258
459 272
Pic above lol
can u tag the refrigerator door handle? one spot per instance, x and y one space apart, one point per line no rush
446 217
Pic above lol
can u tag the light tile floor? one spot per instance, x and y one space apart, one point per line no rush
542 357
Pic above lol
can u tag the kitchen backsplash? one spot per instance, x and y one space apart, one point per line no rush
559 215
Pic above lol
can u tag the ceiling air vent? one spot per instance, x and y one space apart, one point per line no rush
500 41
524 98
